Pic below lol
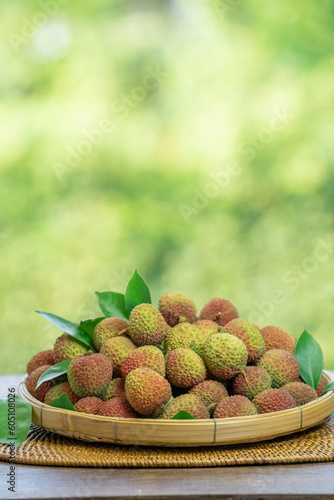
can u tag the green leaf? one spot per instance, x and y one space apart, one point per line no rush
137 292
63 402
112 304
68 327
54 372
310 358
328 387
15 419
88 325
183 415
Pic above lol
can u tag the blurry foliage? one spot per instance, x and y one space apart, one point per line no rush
228 67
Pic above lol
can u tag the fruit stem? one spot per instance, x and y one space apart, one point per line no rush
247 383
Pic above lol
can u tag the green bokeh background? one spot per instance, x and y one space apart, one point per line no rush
214 177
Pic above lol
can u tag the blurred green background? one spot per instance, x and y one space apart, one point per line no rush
192 140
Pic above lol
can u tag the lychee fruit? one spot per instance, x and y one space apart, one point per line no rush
176 307
89 374
107 329
117 349
234 406
219 310
147 326
40 359
225 355
146 390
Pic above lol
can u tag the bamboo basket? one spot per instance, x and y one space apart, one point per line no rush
180 433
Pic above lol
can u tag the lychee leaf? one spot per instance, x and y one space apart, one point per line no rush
183 415
328 387
88 325
63 402
53 372
137 292
69 327
310 358
15 419
112 304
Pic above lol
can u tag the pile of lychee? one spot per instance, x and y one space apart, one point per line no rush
167 359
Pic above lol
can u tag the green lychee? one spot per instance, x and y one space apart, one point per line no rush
147 326
225 355
67 347
250 336
117 349
185 368
107 329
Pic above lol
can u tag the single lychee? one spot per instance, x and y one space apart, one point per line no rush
176 307
146 390
67 347
185 368
117 349
187 402
90 404
117 407
225 355
272 400
301 393
115 388
107 329
234 406
251 381
250 336
40 359
277 338
147 356
31 383
89 374
281 365
219 310
57 390
210 393
147 326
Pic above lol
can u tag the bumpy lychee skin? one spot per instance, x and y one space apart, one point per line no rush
31 383
117 349
234 406
189 403
107 329
207 326
210 393
251 382
40 359
225 355
117 407
281 365
147 325
176 307
67 347
147 356
57 390
89 374
90 405
185 368
115 388
277 338
187 336
250 336
301 393
322 384
272 400
146 390
219 310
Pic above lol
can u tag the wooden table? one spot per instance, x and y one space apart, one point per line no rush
212 483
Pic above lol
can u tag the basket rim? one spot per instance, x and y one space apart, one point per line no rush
23 391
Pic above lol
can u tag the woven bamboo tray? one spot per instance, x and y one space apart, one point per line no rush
175 433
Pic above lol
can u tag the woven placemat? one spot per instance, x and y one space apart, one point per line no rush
46 448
